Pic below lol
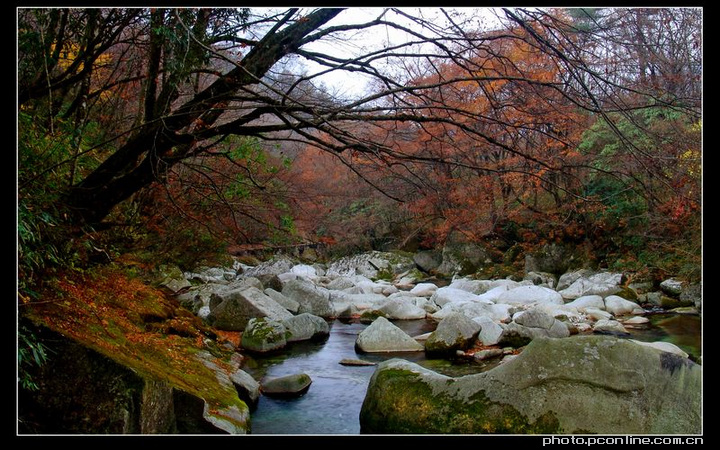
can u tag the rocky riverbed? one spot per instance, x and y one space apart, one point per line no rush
278 302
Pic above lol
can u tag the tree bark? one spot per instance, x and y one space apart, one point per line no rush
159 145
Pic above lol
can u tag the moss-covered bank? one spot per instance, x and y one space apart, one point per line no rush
119 346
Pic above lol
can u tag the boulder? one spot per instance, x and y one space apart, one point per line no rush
610 327
569 278
383 336
487 354
579 385
357 303
551 258
447 294
192 302
490 332
428 260
215 275
493 294
602 283
672 287
264 335
424 289
312 299
526 295
665 347
235 308
287 386
454 332
340 283
400 308
635 321
540 279
247 387
176 284
535 318
461 258
597 314
587 301
270 281
692 295
371 265
618 306
530 325
275 266
304 270
468 309
306 326
291 305
473 286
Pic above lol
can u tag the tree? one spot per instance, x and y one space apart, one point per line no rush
517 94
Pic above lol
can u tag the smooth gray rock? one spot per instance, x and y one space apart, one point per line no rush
490 332
306 326
287 386
526 295
597 314
619 306
535 318
447 294
237 307
424 289
291 305
610 326
587 301
454 332
312 299
401 309
382 336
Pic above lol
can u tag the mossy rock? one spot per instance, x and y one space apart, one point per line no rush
628 293
369 315
264 335
588 384
672 303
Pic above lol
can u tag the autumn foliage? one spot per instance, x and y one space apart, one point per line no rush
551 126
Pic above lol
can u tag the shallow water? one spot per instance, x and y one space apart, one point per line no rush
333 402
683 330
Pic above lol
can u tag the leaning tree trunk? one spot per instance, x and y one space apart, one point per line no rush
145 157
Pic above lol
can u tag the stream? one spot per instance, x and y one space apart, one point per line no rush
332 404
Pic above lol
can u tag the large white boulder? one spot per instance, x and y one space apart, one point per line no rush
526 295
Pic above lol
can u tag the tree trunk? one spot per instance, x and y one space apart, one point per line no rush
148 155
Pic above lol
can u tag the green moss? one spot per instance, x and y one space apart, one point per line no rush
628 294
137 327
407 405
369 315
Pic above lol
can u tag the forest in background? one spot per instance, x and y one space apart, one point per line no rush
174 135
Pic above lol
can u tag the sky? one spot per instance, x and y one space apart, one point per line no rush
351 85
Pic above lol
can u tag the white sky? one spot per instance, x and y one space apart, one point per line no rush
353 84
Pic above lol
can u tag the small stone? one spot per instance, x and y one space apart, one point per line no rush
356 362
488 353
636 321
287 386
